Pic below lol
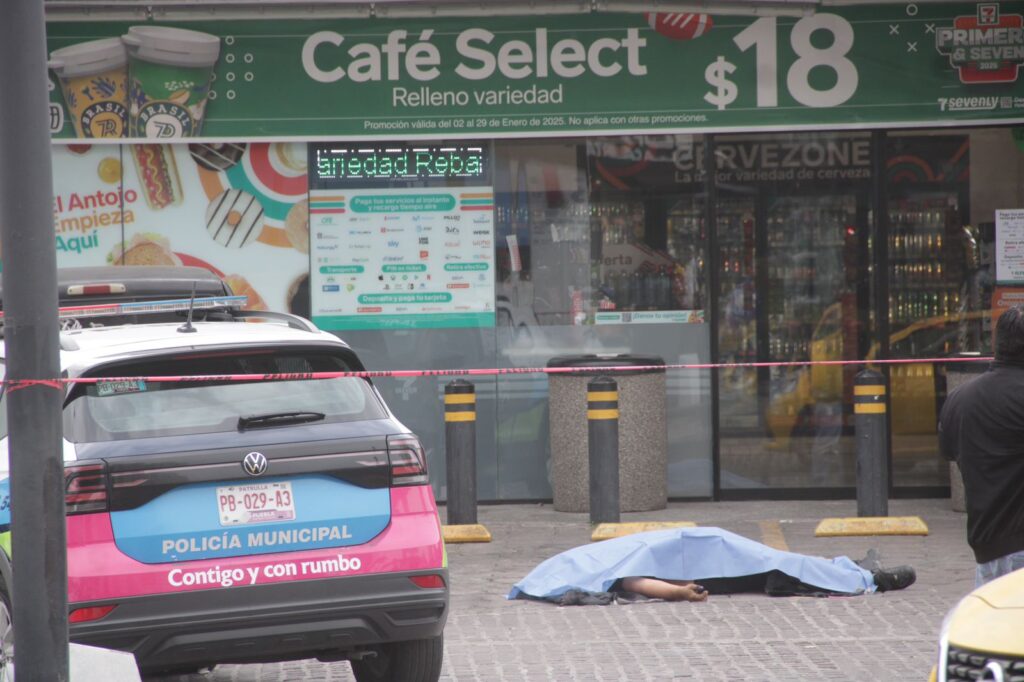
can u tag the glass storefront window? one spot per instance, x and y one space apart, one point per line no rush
793 230
943 189
598 253
600 245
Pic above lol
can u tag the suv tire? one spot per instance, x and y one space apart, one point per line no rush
415 661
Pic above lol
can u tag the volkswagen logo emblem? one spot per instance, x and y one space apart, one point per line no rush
255 463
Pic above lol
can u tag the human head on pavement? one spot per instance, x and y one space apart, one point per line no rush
1010 336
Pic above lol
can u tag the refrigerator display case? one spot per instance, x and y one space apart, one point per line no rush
926 264
807 237
811 316
687 243
793 268
646 269
935 311
740 410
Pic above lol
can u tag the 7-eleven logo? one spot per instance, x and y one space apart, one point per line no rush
985 48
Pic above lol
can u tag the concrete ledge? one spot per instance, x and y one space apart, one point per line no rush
871 525
93 664
469 532
607 531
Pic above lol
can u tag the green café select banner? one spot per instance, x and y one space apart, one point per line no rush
928 63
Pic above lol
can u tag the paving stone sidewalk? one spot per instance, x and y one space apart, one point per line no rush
890 636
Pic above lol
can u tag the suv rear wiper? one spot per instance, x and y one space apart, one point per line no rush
278 419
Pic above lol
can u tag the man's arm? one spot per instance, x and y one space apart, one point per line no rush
949 428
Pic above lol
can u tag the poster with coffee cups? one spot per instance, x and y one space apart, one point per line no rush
152 82
240 210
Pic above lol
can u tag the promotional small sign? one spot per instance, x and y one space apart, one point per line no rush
1010 246
402 237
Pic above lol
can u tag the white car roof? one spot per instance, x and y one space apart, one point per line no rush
82 349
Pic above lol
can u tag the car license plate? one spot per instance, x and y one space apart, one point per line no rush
255 503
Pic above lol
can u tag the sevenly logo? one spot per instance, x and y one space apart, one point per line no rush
987 47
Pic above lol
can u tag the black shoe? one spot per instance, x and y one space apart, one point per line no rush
895 578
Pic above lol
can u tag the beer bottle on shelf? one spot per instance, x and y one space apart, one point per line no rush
665 288
615 285
625 299
651 289
637 288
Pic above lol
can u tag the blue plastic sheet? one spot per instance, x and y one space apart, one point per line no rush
684 554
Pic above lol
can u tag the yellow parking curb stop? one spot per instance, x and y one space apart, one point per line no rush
468 532
607 531
871 525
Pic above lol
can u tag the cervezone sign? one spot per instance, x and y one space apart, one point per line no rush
885 65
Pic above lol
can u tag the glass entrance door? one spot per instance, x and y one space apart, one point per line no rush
793 272
811 317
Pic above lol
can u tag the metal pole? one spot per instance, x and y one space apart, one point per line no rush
31 335
869 423
603 447
460 451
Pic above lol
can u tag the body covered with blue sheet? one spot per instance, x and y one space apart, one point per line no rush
684 554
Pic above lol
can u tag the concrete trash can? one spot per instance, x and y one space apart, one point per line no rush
643 432
957 374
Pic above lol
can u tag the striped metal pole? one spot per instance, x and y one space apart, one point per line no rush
870 429
603 446
460 450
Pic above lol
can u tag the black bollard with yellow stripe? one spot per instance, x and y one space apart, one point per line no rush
603 449
460 450
870 429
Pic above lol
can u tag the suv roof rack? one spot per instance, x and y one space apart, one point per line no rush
144 307
293 321
117 283
231 306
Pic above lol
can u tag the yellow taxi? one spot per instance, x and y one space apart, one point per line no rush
982 637
913 397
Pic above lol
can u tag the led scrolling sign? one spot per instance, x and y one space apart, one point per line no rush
336 165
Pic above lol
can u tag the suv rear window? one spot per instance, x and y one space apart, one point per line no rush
122 410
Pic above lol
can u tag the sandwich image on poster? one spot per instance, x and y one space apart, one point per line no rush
231 208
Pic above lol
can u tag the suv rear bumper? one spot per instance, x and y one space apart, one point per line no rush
272 622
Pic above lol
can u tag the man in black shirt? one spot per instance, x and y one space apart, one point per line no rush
982 427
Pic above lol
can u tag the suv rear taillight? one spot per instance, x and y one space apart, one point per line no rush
85 488
408 463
